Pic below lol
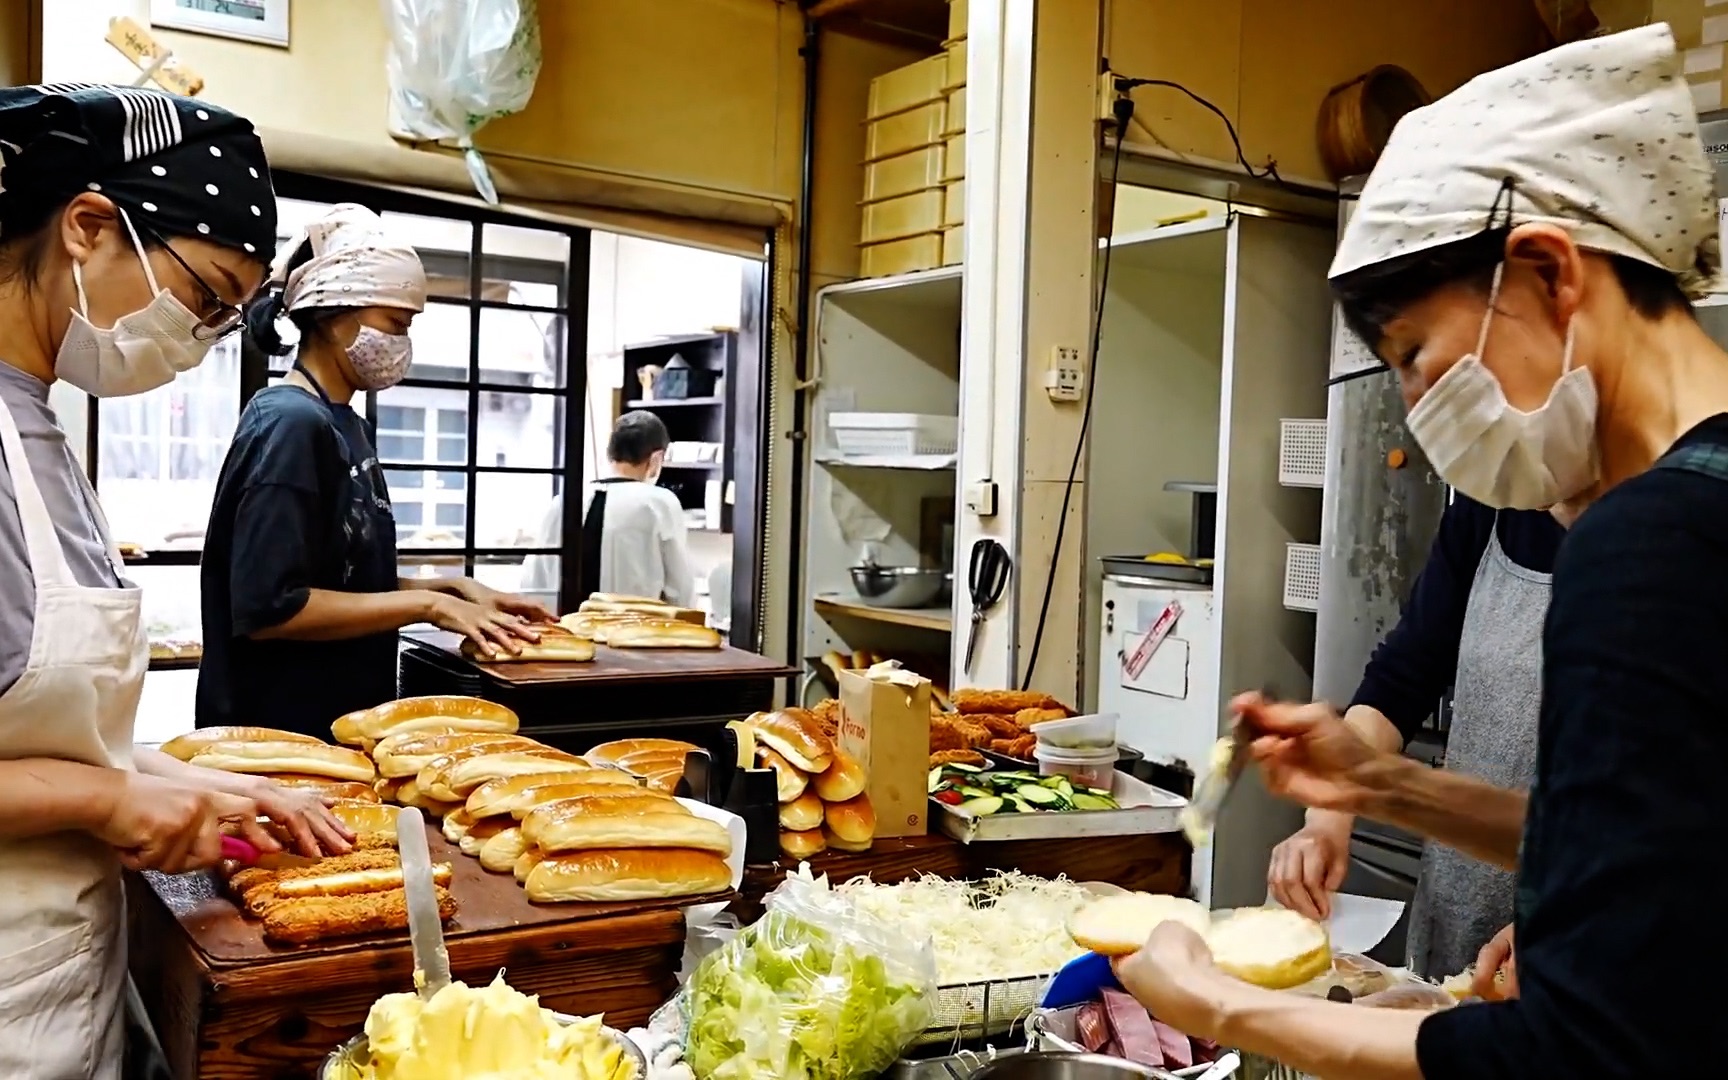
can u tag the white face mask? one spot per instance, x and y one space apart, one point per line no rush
380 360
1498 455
142 351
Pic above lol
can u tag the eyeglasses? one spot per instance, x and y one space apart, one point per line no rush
223 319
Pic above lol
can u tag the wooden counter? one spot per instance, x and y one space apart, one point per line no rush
230 1006
1151 863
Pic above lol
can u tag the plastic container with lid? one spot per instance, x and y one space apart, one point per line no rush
1088 768
1096 731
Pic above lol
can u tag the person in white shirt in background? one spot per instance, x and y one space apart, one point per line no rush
634 540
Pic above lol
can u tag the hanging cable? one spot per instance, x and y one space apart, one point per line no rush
1125 86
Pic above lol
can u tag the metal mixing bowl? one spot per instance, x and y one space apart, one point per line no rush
348 1061
898 586
1051 1065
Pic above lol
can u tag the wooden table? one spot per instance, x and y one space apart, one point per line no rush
608 697
230 1006
1156 863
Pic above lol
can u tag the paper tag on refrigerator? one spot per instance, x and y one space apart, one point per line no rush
1161 627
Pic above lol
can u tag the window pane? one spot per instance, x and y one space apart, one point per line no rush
440 335
521 348
445 246
408 514
522 431
409 479
422 567
401 447
452 514
524 266
515 510
453 423
159 454
398 418
167 706
453 449
169 598
533 576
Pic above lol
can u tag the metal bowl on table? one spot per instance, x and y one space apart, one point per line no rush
350 1060
898 586
1052 1065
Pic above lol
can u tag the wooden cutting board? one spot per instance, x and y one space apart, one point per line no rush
619 665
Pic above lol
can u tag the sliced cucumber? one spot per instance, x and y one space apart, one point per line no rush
1065 788
1098 791
1043 796
1085 800
934 781
1017 776
975 792
1022 805
1052 782
982 807
961 767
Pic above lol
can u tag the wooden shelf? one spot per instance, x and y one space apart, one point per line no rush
938 619
673 403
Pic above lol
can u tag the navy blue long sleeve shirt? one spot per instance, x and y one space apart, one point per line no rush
1622 863
1413 667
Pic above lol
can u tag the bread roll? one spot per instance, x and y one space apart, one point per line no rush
346 729
609 753
462 779
456 825
556 644
853 821
505 795
481 831
526 862
522 806
393 743
407 754
428 713
662 634
646 761
436 773
795 735
1269 946
626 874
803 845
664 780
365 817
304 758
390 790
801 814
500 852
660 829
837 844
539 821
351 882
644 609
593 626
411 795
1118 925
789 780
190 745
622 598
330 789
841 780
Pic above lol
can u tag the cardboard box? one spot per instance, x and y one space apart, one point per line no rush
885 724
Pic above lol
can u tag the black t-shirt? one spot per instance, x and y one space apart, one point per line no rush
301 504
1623 859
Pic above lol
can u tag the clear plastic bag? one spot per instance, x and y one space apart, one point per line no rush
1410 995
457 65
814 990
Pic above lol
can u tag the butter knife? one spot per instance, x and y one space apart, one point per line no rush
425 927
1212 788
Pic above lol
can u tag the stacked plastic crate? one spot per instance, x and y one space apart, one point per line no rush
913 199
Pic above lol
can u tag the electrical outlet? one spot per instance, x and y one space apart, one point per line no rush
981 499
1066 379
1107 96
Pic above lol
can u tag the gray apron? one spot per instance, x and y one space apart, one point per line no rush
1496 695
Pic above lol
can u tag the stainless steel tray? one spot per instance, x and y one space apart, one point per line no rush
1144 809
348 1061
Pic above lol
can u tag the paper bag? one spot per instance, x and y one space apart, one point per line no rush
885 724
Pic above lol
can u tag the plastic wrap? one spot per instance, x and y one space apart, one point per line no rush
1409 995
456 65
814 990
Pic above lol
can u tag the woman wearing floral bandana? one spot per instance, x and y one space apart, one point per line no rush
1524 257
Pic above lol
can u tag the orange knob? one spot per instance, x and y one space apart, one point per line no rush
1397 458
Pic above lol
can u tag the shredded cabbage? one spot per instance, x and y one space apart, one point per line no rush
1008 926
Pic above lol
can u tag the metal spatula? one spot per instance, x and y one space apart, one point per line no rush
425 926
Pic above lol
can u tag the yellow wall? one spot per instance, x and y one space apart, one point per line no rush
17 50
1269 63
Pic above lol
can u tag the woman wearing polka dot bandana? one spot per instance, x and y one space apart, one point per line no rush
1524 258
131 227
301 593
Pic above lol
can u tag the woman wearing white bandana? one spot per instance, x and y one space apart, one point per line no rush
301 594
1523 257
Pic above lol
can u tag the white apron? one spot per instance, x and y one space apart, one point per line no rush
62 925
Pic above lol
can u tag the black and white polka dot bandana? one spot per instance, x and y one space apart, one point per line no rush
1599 137
180 167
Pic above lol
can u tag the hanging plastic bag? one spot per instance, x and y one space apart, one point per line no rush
814 990
457 65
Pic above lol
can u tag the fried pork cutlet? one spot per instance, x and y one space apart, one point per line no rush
999 727
1025 718
1007 702
945 734
1019 747
255 885
318 918
958 757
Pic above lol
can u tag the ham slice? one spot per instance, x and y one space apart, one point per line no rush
1091 1027
1132 1027
1177 1050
